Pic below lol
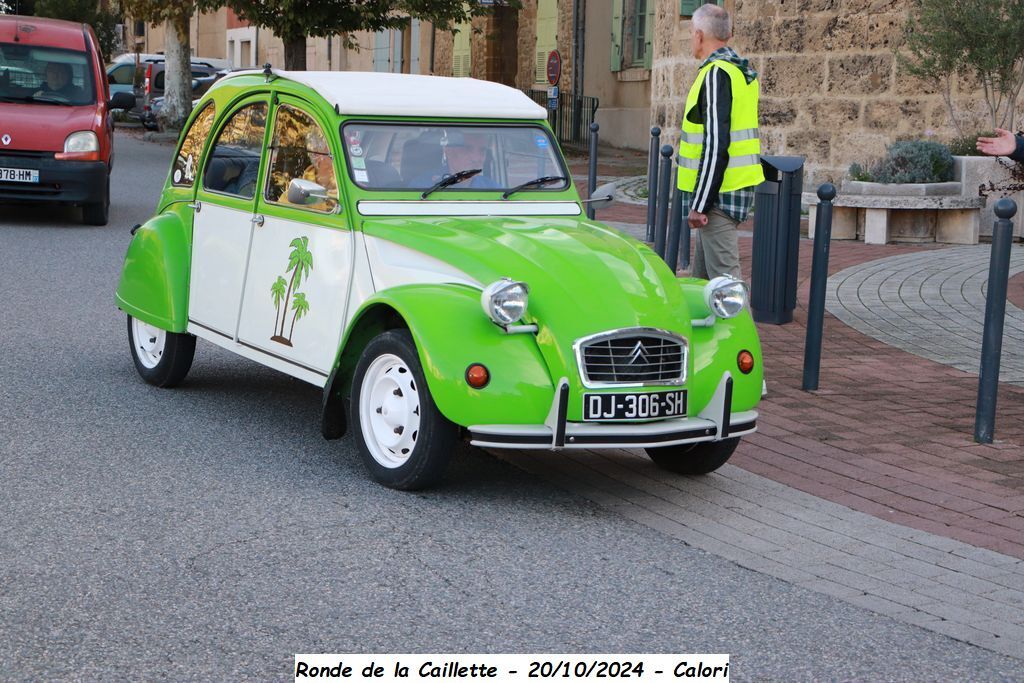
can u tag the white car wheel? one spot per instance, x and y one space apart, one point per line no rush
404 440
389 411
162 358
148 342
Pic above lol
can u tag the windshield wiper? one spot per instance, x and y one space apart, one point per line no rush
536 182
29 99
452 180
48 100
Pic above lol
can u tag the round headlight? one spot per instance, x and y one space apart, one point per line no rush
726 296
82 141
504 301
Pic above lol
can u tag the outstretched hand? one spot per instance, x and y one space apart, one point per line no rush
1003 144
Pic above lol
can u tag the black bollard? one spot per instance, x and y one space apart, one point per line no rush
675 219
819 278
592 170
652 181
995 313
661 221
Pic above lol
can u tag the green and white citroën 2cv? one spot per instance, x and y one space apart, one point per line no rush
414 245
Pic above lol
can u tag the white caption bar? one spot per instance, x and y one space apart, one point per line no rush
638 668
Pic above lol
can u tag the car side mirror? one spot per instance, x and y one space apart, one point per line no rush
603 197
122 100
302 192
195 84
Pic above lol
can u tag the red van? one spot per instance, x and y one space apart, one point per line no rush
56 130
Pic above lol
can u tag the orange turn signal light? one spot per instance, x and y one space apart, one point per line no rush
745 362
477 376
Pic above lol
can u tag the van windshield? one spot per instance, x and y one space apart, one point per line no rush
45 76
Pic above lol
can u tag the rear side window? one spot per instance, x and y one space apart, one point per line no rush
234 162
188 161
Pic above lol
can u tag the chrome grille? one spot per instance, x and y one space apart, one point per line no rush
632 357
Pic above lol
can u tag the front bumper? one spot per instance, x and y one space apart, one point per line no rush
714 423
60 182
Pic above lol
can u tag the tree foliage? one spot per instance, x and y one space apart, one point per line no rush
295 20
946 40
103 21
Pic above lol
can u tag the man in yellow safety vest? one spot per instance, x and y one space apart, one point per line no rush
719 151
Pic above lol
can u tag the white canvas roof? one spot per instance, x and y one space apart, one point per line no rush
388 94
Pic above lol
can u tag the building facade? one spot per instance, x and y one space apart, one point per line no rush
832 88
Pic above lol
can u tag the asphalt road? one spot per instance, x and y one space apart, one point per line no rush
208 532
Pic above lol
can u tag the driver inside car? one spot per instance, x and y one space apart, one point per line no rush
58 81
465 151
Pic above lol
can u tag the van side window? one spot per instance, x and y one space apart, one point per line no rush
299 150
234 162
187 162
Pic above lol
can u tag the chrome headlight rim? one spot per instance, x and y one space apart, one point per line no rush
505 301
81 141
717 291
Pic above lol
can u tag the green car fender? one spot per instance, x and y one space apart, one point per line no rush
451 333
715 349
154 280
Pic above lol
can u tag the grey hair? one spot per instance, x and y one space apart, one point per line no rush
714 21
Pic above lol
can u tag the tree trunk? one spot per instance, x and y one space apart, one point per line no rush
178 77
295 54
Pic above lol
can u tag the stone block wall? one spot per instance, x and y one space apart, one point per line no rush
832 89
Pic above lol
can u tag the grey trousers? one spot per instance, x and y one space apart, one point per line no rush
716 251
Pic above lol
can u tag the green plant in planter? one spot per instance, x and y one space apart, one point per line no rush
912 161
967 145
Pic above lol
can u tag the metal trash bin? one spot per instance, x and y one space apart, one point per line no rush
776 240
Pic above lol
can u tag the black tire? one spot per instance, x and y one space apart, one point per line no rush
167 368
420 457
694 458
98 213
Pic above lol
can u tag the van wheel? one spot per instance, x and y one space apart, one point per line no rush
403 439
162 358
694 458
99 212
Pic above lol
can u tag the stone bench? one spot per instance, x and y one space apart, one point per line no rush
913 213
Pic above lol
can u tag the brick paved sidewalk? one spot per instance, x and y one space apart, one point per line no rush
888 433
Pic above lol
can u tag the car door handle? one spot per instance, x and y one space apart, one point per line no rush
196 206
258 220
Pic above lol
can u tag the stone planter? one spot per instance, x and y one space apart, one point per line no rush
977 172
915 212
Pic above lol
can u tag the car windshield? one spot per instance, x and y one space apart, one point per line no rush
397 156
45 75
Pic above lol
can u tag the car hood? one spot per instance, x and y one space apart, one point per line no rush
42 127
584 277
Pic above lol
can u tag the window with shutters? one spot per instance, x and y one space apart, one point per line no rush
632 33
547 37
462 54
688 7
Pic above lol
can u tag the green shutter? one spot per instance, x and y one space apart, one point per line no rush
617 35
649 35
688 7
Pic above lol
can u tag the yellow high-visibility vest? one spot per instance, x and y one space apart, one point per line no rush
744 168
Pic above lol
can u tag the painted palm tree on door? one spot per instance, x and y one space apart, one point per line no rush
300 264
